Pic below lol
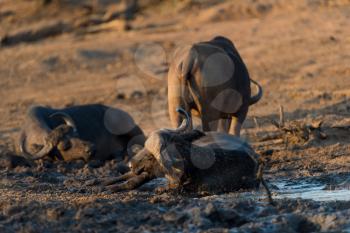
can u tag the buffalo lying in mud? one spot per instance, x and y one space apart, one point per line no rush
80 132
193 161
211 80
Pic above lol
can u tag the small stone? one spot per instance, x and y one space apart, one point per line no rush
136 95
210 210
175 217
82 213
231 218
332 38
51 62
53 214
91 182
121 96
197 218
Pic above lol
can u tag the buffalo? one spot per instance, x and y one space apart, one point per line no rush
85 132
193 161
210 80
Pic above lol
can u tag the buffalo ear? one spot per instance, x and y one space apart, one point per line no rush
136 149
172 163
167 156
68 120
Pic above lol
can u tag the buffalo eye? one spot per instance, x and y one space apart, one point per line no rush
65 145
138 169
130 165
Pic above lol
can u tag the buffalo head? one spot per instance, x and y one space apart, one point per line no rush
62 142
161 156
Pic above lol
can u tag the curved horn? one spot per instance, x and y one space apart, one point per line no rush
67 119
43 152
22 147
185 123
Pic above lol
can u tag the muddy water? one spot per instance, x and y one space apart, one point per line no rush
307 189
316 191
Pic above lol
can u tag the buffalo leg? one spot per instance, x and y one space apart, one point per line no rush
131 183
209 122
224 125
171 187
175 97
205 125
110 181
235 128
237 121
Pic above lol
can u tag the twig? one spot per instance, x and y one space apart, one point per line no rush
262 180
268 143
281 116
256 123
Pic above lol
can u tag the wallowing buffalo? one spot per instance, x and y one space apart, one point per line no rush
80 132
211 80
192 161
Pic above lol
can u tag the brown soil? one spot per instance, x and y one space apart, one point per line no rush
298 51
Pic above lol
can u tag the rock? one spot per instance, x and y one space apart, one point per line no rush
12 210
281 223
121 96
152 92
225 217
83 213
163 91
97 54
198 219
54 214
51 177
159 198
91 182
136 95
266 211
176 217
51 62
231 218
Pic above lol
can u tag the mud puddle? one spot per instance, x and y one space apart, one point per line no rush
314 190
323 189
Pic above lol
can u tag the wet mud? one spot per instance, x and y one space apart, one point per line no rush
58 197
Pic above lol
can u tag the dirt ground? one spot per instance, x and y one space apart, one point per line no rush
299 51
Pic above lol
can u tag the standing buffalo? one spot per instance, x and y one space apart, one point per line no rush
211 80
80 132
